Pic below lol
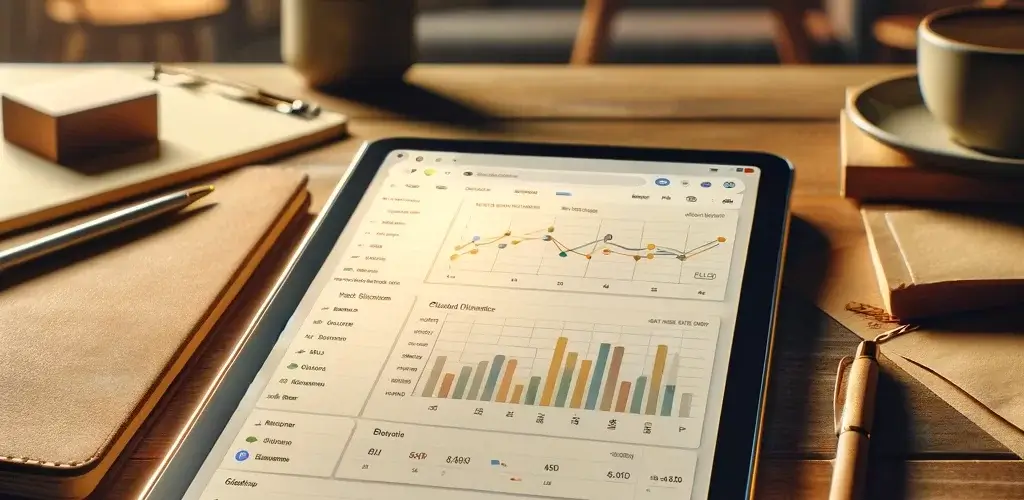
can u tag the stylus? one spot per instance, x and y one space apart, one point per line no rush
101 226
849 469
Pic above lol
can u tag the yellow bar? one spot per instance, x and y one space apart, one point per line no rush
517 393
506 381
620 404
656 374
581 384
556 363
446 385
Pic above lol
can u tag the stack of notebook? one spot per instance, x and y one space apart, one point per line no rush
93 336
943 240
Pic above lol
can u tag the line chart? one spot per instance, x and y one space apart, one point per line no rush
633 252
605 244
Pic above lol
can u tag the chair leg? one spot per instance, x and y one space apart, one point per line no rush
791 39
189 45
150 45
594 33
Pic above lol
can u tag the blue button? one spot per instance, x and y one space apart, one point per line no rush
705 184
729 184
242 455
661 181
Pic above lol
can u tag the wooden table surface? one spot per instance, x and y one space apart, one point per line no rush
923 448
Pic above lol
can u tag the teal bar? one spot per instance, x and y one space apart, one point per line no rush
595 382
478 379
492 378
563 387
460 386
531 390
666 405
638 394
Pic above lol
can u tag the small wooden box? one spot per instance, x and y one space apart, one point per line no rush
78 119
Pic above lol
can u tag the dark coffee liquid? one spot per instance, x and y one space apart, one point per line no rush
999 28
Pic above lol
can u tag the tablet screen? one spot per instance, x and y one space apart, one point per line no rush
492 326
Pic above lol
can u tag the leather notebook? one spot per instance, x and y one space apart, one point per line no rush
937 261
92 339
871 171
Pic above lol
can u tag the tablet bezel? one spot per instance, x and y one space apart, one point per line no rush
746 381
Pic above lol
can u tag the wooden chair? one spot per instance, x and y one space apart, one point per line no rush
899 32
792 40
102 26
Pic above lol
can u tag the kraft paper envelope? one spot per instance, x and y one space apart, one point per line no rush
972 361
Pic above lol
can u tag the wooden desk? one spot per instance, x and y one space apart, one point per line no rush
924 448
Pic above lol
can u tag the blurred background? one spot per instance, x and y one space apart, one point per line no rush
482 31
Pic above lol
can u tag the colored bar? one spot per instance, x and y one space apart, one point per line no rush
531 391
478 379
638 394
460 386
613 378
435 373
620 404
684 404
556 362
656 375
595 381
492 378
506 381
517 393
670 396
563 386
581 383
446 385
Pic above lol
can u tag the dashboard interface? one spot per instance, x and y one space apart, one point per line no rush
498 327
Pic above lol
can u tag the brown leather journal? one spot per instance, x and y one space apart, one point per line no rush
933 261
92 339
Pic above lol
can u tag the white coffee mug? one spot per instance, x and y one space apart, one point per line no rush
334 42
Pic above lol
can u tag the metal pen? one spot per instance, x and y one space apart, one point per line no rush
101 226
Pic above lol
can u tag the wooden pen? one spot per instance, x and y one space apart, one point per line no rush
849 470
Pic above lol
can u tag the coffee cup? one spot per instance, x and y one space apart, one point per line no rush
970 63
338 42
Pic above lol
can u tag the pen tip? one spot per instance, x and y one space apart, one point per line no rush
200 191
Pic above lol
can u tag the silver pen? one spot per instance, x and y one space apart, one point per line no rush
101 226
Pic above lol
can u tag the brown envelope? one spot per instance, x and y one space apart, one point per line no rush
92 339
934 261
973 361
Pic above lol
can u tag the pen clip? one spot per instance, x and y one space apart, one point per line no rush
840 377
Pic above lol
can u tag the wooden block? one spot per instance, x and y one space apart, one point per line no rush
873 171
80 118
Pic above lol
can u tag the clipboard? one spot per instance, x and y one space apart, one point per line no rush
202 131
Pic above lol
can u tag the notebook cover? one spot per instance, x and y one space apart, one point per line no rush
874 172
937 261
91 341
201 133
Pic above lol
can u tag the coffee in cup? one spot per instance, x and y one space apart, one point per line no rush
970 63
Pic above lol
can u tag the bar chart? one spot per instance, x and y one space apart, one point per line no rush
570 382
625 375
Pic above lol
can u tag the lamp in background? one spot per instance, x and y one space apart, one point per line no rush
337 42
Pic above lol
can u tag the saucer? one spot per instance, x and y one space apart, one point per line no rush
893 112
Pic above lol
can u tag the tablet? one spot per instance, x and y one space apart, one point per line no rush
490 320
